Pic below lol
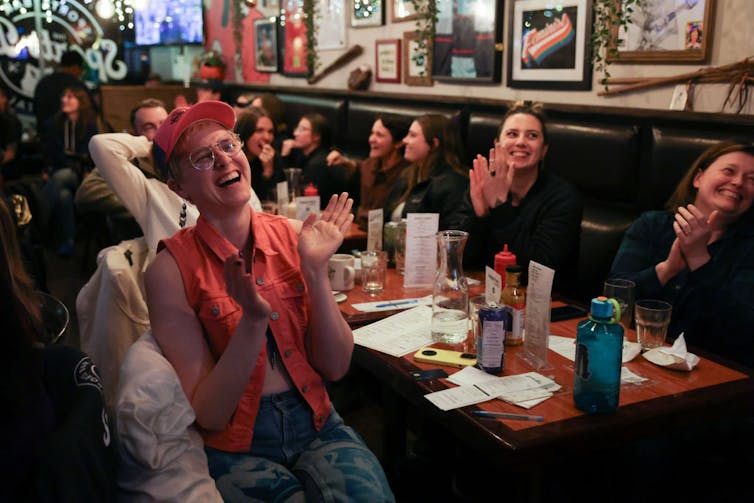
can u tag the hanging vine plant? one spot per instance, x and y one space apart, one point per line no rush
609 15
426 20
311 13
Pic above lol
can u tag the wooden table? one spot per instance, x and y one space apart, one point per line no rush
667 400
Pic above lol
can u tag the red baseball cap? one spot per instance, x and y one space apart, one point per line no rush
179 120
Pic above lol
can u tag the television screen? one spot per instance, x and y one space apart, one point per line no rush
169 22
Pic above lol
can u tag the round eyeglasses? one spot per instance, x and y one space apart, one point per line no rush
203 158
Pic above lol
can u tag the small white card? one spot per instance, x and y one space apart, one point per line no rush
306 205
374 230
453 398
421 249
492 285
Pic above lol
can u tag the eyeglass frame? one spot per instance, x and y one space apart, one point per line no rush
215 146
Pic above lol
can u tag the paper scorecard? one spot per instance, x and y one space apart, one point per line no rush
399 334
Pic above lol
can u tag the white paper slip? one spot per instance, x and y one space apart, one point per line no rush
392 305
469 376
564 346
509 385
461 396
628 377
397 335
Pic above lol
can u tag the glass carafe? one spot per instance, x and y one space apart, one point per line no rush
450 298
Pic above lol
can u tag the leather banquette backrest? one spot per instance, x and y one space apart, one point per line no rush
332 108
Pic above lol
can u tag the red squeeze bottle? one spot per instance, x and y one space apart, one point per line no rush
502 260
311 190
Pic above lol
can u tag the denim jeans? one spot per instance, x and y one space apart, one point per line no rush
290 461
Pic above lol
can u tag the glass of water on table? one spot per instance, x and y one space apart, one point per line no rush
622 290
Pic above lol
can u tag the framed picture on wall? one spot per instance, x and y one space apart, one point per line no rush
402 10
416 66
266 45
667 31
466 36
293 39
330 20
548 45
387 64
367 13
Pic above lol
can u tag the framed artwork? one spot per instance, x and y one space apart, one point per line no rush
268 8
293 39
266 45
367 13
466 34
667 31
548 46
330 19
416 66
402 10
387 61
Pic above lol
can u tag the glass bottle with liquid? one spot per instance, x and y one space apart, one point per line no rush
450 296
514 297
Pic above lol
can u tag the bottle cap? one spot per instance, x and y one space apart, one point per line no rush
602 307
311 190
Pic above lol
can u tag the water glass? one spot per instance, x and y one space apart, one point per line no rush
373 268
652 320
474 304
622 290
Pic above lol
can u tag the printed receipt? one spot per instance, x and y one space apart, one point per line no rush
421 249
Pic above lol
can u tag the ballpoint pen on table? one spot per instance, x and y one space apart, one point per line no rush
506 415
397 303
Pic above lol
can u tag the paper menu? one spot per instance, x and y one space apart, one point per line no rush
537 323
398 335
421 249
374 229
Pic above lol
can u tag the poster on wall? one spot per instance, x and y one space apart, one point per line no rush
293 39
32 42
331 24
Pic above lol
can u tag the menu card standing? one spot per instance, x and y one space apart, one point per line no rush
306 205
537 323
492 285
421 249
374 230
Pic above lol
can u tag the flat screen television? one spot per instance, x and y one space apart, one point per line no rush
169 22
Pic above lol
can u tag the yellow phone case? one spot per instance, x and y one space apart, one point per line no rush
445 357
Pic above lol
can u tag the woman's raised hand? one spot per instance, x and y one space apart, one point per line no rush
266 157
490 181
694 230
335 158
320 238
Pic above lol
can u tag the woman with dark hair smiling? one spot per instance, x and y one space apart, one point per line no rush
257 132
699 254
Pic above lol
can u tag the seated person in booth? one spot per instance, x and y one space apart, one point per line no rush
94 195
308 150
513 200
436 180
699 253
372 180
257 132
68 135
57 444
11 132
241 329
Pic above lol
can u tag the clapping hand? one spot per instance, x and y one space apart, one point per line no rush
490 182
320 238
693 230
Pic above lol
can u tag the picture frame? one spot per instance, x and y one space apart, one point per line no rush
667 31
367 13
266 45
402 10
387 61
549 45
293 39
330 20
467 37
416 71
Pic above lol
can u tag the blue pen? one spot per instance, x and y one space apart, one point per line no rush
397 303
506 415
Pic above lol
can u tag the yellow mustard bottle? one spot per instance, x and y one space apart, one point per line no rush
514 297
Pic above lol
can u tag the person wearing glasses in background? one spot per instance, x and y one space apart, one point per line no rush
241 331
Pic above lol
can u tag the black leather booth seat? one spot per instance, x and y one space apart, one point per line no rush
624 161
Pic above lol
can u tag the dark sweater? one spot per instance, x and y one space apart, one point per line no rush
328 180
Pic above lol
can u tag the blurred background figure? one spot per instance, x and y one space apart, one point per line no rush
257 132
210 89
49 88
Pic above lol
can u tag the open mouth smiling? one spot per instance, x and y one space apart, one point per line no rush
229 179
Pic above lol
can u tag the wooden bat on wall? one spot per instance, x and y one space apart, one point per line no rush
345 58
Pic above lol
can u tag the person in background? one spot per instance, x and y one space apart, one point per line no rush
436 181
513 200
50 87
210 90
257 132
242 102
94 195
69 132
153 80
308 150
373 178
250 352
11 132
699 253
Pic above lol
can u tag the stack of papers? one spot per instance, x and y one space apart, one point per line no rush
399 334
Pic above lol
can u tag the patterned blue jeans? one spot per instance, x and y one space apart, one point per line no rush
290 461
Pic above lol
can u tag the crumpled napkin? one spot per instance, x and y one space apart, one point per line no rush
675 357
630 351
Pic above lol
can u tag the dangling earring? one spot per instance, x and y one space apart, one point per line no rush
182 215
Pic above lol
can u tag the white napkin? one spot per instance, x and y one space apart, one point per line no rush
675 357
630 351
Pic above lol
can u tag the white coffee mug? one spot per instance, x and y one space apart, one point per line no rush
341 272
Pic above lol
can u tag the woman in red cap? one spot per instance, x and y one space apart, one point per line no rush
232 303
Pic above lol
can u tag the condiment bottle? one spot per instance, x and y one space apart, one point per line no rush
503 259
599 351
311 190
514 297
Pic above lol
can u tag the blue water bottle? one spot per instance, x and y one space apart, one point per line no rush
599 349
